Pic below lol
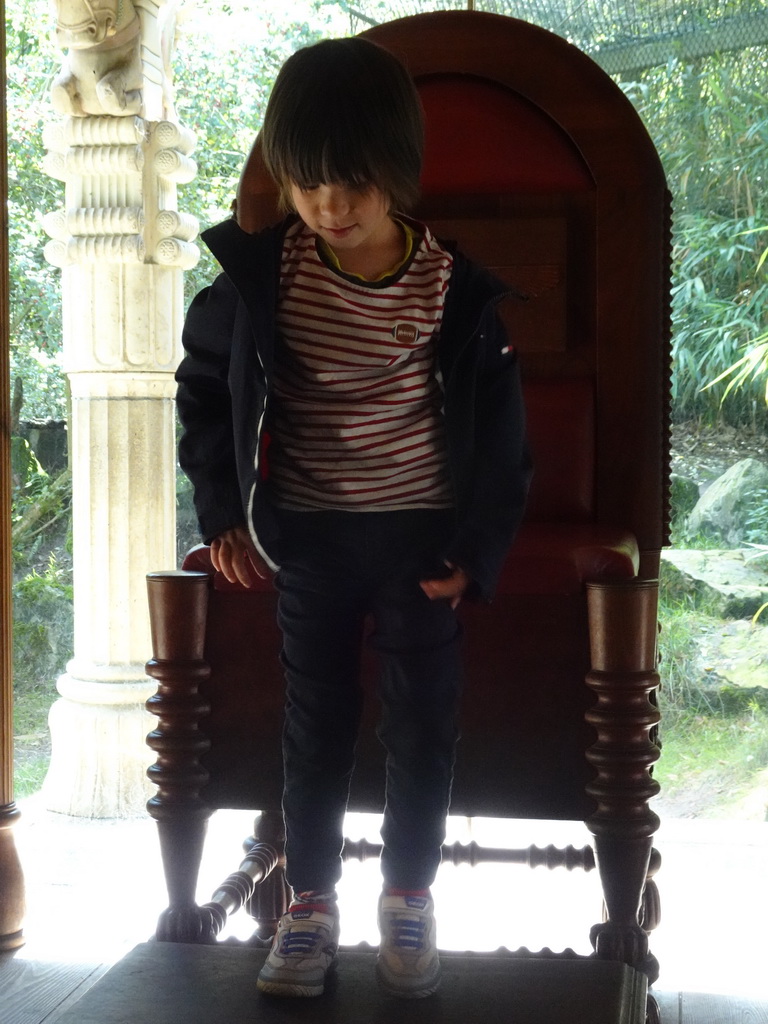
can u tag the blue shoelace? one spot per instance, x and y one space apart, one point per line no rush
296 943
408 933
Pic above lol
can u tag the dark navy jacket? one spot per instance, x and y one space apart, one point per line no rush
230 338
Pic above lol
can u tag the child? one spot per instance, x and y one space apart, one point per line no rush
369 361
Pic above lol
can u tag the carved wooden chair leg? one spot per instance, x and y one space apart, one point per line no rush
650 906
271 898
649 915
622 624
181 847
178 604
652 1011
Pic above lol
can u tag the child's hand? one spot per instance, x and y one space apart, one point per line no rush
234 555
449 588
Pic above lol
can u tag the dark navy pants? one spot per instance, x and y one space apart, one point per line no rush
336 568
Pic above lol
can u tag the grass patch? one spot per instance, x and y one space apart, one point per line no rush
714 736
684 681
31 707
709 763
31 760
32 744
42 645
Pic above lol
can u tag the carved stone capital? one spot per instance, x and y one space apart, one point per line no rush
117 59
103 161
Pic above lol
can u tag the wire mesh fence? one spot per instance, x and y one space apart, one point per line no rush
624 36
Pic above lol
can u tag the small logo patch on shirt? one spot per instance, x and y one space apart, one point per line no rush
406 334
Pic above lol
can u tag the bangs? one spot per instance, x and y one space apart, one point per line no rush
313 157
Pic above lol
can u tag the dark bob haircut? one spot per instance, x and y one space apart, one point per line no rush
345 111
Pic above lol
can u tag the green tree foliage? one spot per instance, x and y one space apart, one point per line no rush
42 586
709 120
35 291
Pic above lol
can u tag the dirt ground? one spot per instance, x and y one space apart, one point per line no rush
704 453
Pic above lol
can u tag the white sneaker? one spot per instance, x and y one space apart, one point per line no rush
303 952
408 964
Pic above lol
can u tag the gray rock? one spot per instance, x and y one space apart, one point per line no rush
729 584
721 512
739 649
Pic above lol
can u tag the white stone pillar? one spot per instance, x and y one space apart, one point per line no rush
122 246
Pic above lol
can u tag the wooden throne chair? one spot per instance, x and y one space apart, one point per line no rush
540 168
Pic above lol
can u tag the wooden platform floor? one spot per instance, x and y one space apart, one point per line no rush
94 891
165 983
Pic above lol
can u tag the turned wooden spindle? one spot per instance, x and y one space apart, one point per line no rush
623 634
178 604
238 888
551 857
271 898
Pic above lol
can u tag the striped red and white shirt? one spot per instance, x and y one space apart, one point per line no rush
356 419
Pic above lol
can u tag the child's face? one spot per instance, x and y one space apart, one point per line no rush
346 218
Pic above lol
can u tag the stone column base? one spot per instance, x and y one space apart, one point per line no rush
99 755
